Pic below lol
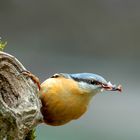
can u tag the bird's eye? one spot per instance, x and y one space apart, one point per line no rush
94 82
55 76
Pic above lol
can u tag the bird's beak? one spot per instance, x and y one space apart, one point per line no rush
111 87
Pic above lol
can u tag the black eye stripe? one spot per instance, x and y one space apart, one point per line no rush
93 82
55 76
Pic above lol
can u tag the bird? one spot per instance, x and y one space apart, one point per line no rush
66 97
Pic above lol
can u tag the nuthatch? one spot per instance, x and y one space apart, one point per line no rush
65 97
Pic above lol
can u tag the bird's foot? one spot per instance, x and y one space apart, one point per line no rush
33 77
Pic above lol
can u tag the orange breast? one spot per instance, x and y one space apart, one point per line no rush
62 101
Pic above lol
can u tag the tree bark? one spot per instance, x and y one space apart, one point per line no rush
19 102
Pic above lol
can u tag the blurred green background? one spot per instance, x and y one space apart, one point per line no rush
71 36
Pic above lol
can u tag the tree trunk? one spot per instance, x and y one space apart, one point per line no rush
19 102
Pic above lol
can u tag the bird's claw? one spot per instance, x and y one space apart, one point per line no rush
32 76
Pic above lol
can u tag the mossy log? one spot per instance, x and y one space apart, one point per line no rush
19 102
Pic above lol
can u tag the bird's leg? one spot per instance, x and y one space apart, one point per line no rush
32 76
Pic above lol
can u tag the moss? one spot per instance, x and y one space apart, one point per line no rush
31 135
2 45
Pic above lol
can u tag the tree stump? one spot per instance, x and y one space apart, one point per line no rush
19 102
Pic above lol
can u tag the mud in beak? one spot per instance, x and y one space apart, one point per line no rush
111 87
